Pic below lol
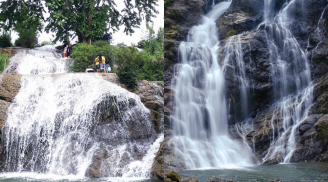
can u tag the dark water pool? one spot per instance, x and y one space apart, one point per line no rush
309 172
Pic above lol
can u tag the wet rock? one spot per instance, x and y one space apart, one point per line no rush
98 164
277 180
276 160
189 180
173 176
3 117
309 122
178 18
151 93
257 72
320 96
157 170
9 86
233 23
216 179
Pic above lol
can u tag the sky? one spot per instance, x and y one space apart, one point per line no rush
119 36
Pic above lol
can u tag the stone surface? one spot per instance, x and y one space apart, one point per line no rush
189 180
173 176
216 179
257 70
9 86
158 166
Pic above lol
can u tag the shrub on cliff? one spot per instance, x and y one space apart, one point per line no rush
85 54
131 64
5 40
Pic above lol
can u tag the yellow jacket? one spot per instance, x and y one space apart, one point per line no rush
103 60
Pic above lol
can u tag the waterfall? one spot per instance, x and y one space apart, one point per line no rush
290 74
200 121
75 124
235 62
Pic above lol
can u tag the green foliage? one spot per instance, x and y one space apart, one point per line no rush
149 63
132 64
230 33
27 39
128 76
168 3
27 28
87 19
5 40
84 55
4 59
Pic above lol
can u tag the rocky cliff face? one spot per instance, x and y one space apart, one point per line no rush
9 87
243 20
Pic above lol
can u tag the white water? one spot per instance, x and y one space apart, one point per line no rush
42 60
235 62
58 124
291 77
200 122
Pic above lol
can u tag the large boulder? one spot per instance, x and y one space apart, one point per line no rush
9 86
173 176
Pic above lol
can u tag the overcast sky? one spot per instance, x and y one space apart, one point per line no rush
119 36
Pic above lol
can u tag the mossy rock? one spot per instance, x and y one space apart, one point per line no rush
230 33
173 176
322 134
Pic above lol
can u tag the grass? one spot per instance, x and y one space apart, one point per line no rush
4 60
231 32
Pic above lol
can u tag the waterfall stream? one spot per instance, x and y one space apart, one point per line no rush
291 76
200 121
75 124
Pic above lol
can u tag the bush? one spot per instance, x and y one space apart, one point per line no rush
5 40
83 55
27 29
4 60
128 77
132 64
27 39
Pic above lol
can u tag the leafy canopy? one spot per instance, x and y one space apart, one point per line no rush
87 19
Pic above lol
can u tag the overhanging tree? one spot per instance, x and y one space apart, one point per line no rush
86 19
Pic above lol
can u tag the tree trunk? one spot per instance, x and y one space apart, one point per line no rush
86 40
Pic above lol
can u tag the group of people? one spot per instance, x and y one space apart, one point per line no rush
67 50
102 63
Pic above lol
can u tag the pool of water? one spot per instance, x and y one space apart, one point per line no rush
309 172
35 177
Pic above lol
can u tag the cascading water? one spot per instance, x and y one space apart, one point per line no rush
200 125
75 124
291 79
234 60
